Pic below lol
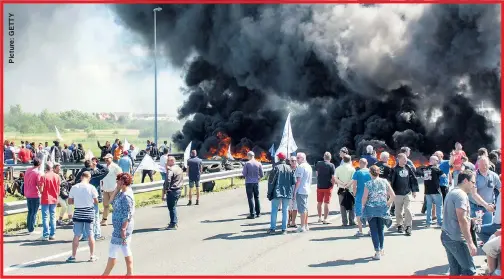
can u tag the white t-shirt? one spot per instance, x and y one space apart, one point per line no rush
305 172
83 195
109 181
162 163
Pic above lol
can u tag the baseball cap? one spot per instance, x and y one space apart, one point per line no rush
108 156
281 156
125 152
344 150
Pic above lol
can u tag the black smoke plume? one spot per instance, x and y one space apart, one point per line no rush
403 75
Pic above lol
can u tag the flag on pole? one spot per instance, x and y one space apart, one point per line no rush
126 145
58 135
44 161
187 154
272 150
229 155
287 144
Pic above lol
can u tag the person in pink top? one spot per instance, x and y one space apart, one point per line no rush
49 188
456 161
31 180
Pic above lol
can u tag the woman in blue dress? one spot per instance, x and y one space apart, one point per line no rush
359 179
123 203
378 196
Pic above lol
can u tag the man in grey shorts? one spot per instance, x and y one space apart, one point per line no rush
84 196
302 189
194 170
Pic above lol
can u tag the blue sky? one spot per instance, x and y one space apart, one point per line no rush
78 57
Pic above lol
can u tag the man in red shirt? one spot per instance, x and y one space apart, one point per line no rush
31 192
24 155
50 189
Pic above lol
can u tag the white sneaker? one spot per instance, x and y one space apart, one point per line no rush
377 256
43 238
307 228
300 229
319 220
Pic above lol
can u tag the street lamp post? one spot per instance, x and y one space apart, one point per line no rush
158 9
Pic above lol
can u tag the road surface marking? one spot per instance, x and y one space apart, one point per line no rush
23 265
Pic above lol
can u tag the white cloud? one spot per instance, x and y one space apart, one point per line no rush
78 57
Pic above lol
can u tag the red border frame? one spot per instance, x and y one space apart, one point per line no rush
218 2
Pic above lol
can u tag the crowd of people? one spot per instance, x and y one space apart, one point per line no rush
462 198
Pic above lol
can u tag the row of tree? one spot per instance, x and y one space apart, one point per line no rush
16 120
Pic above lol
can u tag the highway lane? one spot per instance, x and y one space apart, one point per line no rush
216 238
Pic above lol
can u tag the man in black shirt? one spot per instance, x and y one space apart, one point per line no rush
431 176
405 186
494 158
194 170
385 169
325 183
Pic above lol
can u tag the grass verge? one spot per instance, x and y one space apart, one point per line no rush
17 222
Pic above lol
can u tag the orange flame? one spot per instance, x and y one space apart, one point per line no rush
392 161
223 147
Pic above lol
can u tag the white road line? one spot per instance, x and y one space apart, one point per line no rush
23 265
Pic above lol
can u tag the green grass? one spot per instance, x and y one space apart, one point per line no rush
17 222
88 142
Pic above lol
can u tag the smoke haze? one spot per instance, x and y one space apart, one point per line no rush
400 74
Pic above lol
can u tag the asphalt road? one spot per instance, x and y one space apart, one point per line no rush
216 238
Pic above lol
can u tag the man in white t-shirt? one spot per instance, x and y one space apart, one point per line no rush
302 189
109 185
84 196
162 164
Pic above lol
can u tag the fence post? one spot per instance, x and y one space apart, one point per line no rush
232 181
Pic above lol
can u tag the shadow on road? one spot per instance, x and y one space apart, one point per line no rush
44 243
223 220
333 238
435 270
343 262
232 236
147 230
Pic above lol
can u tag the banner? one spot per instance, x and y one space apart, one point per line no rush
148 164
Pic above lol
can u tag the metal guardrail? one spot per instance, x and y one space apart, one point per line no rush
70 166
17 207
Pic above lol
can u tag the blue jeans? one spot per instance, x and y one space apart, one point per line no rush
437 199
96 225
460 260
487 231
487 216
163 176
377 227
48 220
274 212
33 206
455 178
172 198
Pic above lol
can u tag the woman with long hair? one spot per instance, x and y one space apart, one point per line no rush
375 208
123 203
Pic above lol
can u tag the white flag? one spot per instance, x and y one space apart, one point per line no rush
58 135
187 153
229 155
42 166
287 145
53 156
126 145
89 155
147 164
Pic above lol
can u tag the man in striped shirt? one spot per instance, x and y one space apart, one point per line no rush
84 196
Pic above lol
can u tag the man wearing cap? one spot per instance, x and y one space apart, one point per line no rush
109 185
253 172
125 163
280 189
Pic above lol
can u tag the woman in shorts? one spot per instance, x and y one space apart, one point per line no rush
123 203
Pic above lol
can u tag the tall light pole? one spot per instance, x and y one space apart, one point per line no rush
158 9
